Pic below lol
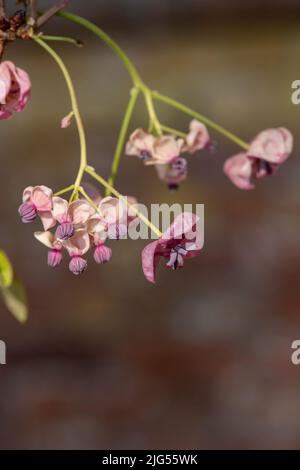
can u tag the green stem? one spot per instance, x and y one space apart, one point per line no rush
87 197
112 190
172 131
75 42
208 122
65 190
154 122
75 109
108 40
122 136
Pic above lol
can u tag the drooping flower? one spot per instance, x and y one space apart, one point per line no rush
77 246
174 173
179 242
70 215
165 150
50 241
115 216
239 170
140 144
265 154
15 89
198 137
37 201
272 145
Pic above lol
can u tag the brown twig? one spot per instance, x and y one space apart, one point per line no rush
33 10
51 12
2 9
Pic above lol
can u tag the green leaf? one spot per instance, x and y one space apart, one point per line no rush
15 299
6 271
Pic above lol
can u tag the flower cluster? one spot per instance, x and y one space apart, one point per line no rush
78 226
265 154
165 152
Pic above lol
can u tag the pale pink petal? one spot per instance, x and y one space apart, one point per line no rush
41 198
79 244
80 211
198 137
239 170
150 261
184 226
272 145
140 141
166 149
27 193
47 239
47 219
113 210
60 210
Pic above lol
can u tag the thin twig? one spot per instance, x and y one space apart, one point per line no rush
2 9
33 10
51 12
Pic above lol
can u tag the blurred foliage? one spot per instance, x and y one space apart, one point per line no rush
12 290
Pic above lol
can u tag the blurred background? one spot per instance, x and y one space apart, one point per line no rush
202 359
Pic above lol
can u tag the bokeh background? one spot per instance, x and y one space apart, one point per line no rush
202 359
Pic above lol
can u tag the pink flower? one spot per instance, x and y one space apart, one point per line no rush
179 242
70 215
272 145
165 150
154 150
239 170
265 154
15 89
140 144
174 173
37 201
77 246
50 241
115 216
197 138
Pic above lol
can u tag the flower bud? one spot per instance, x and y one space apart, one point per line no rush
102 254
28 212
65 231
77 265
54 258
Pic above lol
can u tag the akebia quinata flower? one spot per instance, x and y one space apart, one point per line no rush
15 89
37 201
50 241
179 242
165 152
70 215
266 153
174 173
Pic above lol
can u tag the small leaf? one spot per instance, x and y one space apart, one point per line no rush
6 271
15 299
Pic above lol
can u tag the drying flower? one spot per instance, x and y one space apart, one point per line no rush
37 201
15 89
265 154
180 241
